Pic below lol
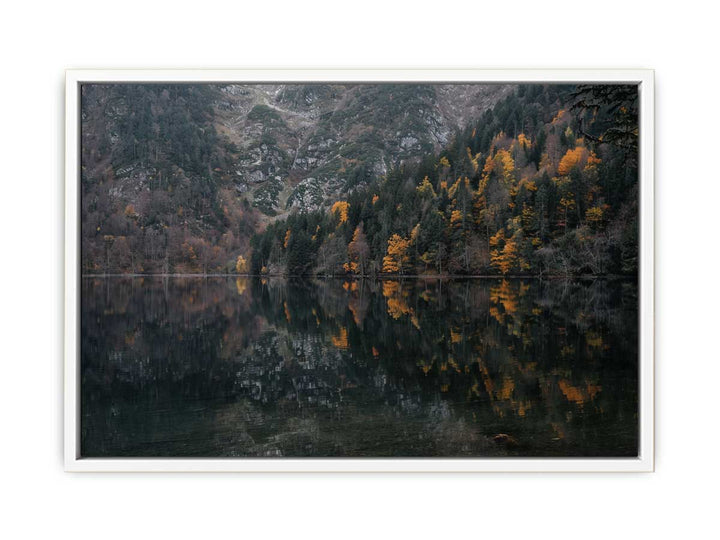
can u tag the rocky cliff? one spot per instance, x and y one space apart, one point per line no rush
301 145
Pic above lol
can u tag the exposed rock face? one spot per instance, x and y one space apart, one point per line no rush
314 141
308 194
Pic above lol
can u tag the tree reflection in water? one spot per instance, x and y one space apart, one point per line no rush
274 367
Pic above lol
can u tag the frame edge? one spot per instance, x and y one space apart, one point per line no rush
646 458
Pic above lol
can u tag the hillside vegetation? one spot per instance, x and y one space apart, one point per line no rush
359 179
544 183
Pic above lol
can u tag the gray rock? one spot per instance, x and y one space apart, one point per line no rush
408 142
256 177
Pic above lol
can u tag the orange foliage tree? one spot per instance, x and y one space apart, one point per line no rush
571 159
340 208
358 252
504 255
397 255
241 265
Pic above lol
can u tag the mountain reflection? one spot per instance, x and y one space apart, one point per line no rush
273 367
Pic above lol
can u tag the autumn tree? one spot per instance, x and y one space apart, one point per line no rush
286 240
571 159
594 215
504 252
414 238
358 252
241 265
425 189
340 209
397 255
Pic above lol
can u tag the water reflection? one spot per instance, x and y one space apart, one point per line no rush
249 367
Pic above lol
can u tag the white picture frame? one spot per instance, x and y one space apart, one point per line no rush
645 459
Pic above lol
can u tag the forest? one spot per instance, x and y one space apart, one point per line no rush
155 191
543 183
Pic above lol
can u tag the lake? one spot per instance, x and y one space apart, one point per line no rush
250 367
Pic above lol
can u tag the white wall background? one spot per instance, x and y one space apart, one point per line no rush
38 42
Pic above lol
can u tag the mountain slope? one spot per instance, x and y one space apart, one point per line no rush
359 179
543 183
179 177
300 145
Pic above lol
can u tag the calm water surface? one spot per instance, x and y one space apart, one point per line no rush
273 367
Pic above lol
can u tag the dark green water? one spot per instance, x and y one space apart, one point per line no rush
244 367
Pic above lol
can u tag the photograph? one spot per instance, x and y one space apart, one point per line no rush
358 269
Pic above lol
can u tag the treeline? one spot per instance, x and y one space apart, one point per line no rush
544 183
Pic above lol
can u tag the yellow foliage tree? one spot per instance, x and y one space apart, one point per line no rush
456 217
452 192
559 116
508 165
498 238
502 163
397 256
473 159
287 238
414 233
594 215
340 341
426 188
593 160
351 267
571 159
527 216
340 208
241 265
504 259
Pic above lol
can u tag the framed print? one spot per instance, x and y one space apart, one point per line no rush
359 270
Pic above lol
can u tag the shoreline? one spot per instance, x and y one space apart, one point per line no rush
375 278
